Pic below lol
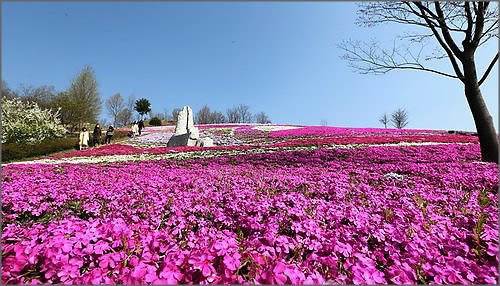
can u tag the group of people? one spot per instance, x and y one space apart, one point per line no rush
137 127
84 138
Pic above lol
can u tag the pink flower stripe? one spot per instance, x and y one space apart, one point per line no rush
328 131
445 138
121 149
369 215
248 130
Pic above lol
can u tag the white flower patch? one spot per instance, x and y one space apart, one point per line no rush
396 176
166 128
153 138
269 128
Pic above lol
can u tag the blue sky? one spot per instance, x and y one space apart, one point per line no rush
281 58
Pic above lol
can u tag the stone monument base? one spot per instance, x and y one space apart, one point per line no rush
178 140
185 132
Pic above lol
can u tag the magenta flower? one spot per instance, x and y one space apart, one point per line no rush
291 212
171 275
232 261
203 264
275 274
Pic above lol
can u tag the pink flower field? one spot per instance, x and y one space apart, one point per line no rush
310 205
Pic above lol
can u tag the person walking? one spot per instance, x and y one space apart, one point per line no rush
141 126
135 129
109 134
84 139
96 135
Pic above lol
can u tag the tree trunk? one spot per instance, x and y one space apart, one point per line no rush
488 139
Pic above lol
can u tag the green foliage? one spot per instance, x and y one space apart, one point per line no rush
16 152
482 199
155 121
25 122
478 231
142 106
81 103
220 130
13 151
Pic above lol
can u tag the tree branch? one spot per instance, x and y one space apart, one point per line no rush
446 33
454 63
424 10
428 21
470 23
487 32
387 12
367 61
479 24
488 70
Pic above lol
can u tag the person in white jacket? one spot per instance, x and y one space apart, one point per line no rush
84 139
135 129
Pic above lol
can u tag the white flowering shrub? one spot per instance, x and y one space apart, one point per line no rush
25 122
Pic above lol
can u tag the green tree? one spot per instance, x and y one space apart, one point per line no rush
68 111
142 106
81 103
458 28
155 121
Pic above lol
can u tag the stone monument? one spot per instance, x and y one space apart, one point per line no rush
185 132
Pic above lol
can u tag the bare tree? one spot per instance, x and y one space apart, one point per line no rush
44 96
203 116
114 105
399 118
474 23
384 119
239 114
104 122
123 118
262 118
125 115
7 92
175 113
324 122
131 102
159 115
217 117
245 114
233 116
166 114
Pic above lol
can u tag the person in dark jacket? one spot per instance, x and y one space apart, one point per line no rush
96 135
109 134
141 126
